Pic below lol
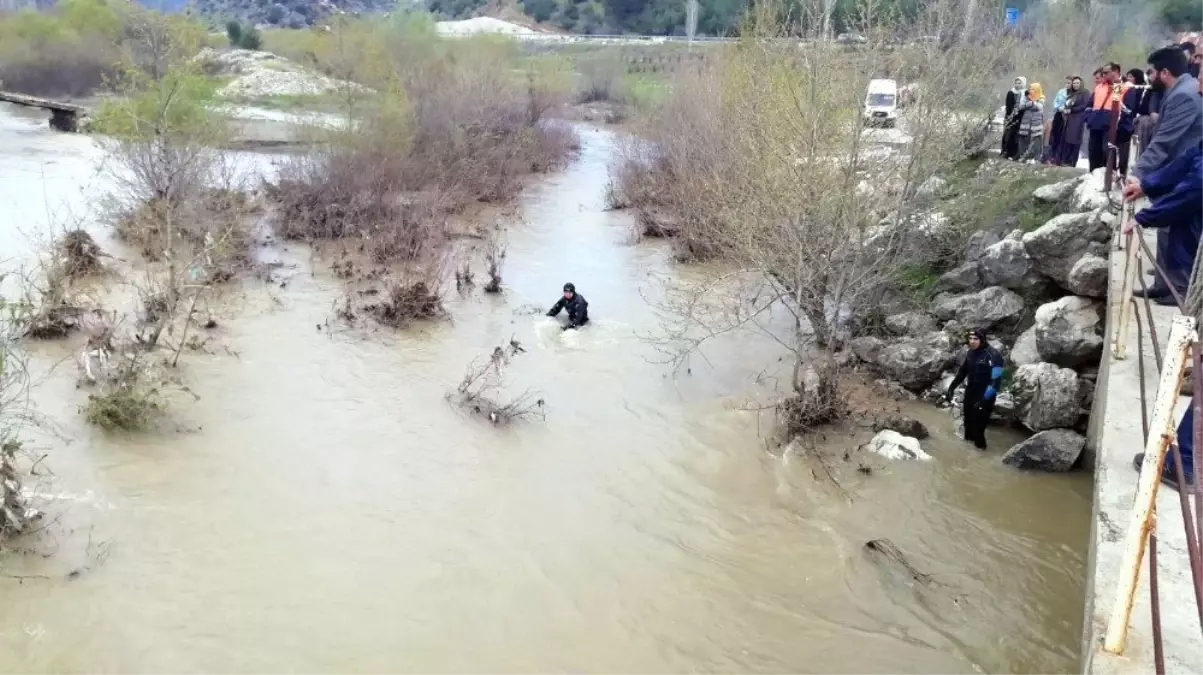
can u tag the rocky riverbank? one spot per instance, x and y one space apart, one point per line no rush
1040 294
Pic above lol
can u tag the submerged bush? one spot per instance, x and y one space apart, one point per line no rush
122 408
81 254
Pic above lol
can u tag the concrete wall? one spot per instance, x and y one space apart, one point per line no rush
1116 435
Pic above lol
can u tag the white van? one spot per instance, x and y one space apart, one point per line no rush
881 103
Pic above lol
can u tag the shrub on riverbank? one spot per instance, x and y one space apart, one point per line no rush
448 128
78 47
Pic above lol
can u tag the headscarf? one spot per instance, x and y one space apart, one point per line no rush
1037 93
1023 85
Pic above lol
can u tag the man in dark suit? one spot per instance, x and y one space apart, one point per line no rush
1179 129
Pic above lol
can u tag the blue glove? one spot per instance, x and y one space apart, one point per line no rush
989 393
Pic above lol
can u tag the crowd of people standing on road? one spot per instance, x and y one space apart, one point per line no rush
1034 131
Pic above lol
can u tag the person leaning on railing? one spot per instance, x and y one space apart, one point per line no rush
1175 193
1179 129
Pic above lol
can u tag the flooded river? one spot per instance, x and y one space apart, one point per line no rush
322 508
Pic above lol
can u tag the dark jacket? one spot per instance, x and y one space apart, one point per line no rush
1153 102
1078 104
983 367
1012 101
1179 127
577 308
1134 100
1175 192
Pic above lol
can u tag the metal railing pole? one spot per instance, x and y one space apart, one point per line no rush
1161 432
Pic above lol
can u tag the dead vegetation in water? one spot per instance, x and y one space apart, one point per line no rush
494 257
16 514
818 399
394 295
129 369
52 301
482 390
17 467
465 279
81 255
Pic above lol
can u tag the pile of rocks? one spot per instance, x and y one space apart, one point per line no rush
1041 295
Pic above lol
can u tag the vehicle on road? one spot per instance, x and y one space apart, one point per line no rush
881 104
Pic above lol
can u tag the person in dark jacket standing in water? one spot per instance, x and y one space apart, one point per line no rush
575 304
983 367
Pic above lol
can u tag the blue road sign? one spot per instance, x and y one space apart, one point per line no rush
1012 16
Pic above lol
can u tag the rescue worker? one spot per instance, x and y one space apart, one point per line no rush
575 304
983 366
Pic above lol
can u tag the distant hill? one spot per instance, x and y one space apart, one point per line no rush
283 13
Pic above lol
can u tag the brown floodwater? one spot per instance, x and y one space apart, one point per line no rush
321 507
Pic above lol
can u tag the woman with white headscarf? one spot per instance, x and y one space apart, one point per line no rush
1011 118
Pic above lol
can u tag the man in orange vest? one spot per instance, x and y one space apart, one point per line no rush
1098 118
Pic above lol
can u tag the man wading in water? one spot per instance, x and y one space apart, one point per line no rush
983 365
578 309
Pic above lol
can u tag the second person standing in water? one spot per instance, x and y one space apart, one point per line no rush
983 368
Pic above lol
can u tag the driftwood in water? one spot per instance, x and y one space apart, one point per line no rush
884 550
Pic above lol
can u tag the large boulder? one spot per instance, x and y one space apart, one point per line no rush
916 362
964 278
1024 352
928 232
893 445
910 323
1007 264
1046 396
988 308
1056 246
981 240
907 426
1089 276
1005 409
1069 331
867 348
932 187
1057 192
1052 450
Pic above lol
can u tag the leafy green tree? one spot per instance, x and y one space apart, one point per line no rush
539 10
251 39
234 33
1182 14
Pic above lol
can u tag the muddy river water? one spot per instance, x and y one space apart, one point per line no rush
321 507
